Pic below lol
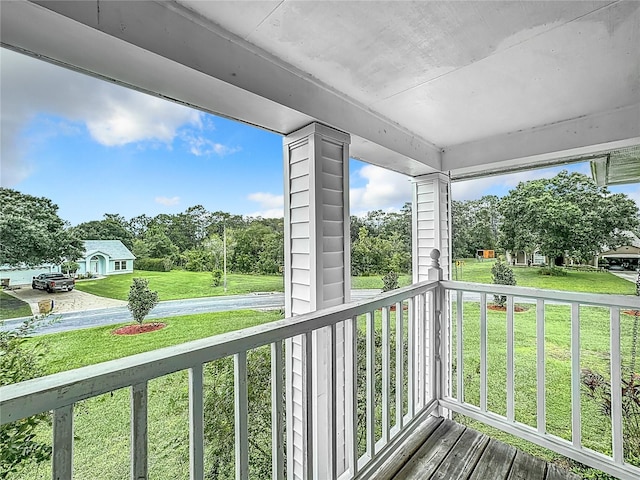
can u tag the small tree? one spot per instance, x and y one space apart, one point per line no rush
141 299
502 274
216 277
390 281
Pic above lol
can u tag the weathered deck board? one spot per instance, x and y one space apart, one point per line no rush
495 462
527 467
428 458
454 452
461 460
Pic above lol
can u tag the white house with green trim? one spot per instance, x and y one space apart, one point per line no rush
105 257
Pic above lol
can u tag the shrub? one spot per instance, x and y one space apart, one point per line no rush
21 360
553 271
141 299
502 274
216 277
70 267
390 281
153 264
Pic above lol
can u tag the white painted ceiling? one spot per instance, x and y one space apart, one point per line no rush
422 86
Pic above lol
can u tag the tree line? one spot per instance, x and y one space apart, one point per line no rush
568 215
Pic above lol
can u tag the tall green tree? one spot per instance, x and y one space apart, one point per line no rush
475 225
32 233
566 214
112 227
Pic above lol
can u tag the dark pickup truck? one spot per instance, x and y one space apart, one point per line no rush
53 282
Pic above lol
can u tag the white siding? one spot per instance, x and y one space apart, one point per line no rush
430 224
316 276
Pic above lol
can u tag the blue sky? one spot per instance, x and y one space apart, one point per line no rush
94 148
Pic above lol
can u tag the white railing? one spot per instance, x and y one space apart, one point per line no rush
413 390
462 295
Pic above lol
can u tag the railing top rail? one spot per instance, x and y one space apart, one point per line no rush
596 299
28 398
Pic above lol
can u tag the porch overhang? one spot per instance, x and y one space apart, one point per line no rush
617 167
457 87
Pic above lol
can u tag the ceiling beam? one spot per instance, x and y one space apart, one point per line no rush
541 145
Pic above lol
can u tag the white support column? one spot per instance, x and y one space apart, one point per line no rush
431 231
431 224
317 275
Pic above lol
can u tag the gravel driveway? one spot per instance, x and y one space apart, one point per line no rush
72 301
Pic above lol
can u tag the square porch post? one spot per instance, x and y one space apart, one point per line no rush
431 230
316 275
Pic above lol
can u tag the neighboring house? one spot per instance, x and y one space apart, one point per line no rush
22 275
522 258
105 257
626 257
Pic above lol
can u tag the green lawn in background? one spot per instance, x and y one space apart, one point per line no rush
77 348
592 282
11 307
180 284
375 281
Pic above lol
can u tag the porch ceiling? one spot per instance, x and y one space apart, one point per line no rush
421 86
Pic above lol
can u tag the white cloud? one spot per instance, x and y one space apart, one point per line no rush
113 115
384 190
201 146
269 213
271 205
168 202
267 200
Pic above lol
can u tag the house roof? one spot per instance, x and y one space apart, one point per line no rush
113 248
470 88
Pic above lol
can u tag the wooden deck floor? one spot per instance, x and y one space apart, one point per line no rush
452 451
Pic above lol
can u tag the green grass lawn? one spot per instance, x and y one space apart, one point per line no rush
593 282
11 307
180 284
375 281
594 338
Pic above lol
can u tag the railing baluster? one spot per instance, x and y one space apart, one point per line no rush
616 387
139 464
386 377
277 412
541 404
459 347
333 449
352 396
399 366
63 443
483 352
510 361
196 423
311 404
424 325
371 385
576 429
241 413
430 320
411 357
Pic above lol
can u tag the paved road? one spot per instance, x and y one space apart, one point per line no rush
114 315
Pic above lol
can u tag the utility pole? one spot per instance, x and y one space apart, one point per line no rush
224 254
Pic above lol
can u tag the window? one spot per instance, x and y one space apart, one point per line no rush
120 265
